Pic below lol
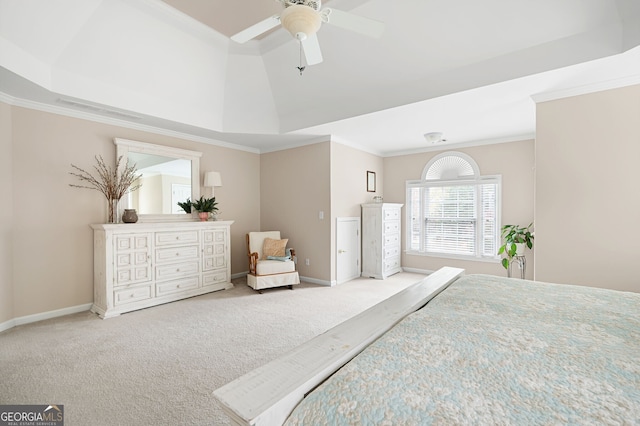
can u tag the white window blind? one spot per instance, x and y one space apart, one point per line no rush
456 217
450 219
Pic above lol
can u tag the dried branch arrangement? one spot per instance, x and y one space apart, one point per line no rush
109 181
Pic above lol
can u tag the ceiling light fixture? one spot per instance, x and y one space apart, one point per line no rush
434 137
301 21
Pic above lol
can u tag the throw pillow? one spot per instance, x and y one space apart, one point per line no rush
280 258
273 247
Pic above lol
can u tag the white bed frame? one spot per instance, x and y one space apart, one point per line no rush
268 394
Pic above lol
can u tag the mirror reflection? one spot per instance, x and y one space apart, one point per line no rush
165 182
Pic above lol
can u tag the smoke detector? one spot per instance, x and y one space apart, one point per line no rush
434 137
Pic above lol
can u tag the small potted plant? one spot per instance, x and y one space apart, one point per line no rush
205 206
185 205
515 238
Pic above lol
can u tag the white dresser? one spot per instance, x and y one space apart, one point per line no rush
381 239
139 265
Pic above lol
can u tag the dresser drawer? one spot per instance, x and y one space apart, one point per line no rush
132 294
215 236
390 264
131 259
391 251
391 214
130 242
132 275
177 254
214 249
215 278
166 238
177 270
392 226
176 286
392 239
216 262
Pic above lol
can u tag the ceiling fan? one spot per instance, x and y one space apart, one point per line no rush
303 18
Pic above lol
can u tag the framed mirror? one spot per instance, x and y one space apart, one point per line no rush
169 175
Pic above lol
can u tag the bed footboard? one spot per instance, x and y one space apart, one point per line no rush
268 394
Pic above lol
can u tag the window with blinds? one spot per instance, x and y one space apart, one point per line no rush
453 211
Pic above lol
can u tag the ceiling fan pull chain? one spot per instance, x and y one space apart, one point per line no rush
301 68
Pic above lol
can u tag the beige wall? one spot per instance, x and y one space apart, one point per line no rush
349 168
514 161
294 188
587 196
6 215
328 177
52 246
586 145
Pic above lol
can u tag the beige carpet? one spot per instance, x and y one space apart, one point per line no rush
160 366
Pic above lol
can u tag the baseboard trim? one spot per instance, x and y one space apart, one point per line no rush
27 319
239 275
317 281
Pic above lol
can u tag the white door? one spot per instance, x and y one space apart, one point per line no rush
348 249
179 193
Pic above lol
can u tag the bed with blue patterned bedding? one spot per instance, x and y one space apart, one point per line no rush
492 350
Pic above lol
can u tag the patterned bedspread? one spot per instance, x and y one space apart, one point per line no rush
492 350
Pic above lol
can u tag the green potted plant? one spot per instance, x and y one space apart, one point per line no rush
185 205
204 206
515 238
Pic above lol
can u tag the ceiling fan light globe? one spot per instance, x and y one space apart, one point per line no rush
300 19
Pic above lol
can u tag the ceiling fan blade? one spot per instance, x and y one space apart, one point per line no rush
312 51
355 23
257 29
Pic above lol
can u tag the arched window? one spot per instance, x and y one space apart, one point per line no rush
453 211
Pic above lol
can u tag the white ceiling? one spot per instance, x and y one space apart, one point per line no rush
465 68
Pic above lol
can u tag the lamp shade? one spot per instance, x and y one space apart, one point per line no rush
212 179
301 21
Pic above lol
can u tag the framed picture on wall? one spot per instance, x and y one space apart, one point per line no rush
371 181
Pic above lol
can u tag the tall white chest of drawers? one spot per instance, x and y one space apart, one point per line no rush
145 264
381 239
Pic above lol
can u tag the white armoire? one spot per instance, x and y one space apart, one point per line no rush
381 239
140 265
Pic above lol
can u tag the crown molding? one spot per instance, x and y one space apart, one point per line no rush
586 89
311 141
468 144
83 115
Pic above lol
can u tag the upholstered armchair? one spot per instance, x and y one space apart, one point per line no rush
271 263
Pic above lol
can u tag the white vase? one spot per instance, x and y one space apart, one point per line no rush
520 249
